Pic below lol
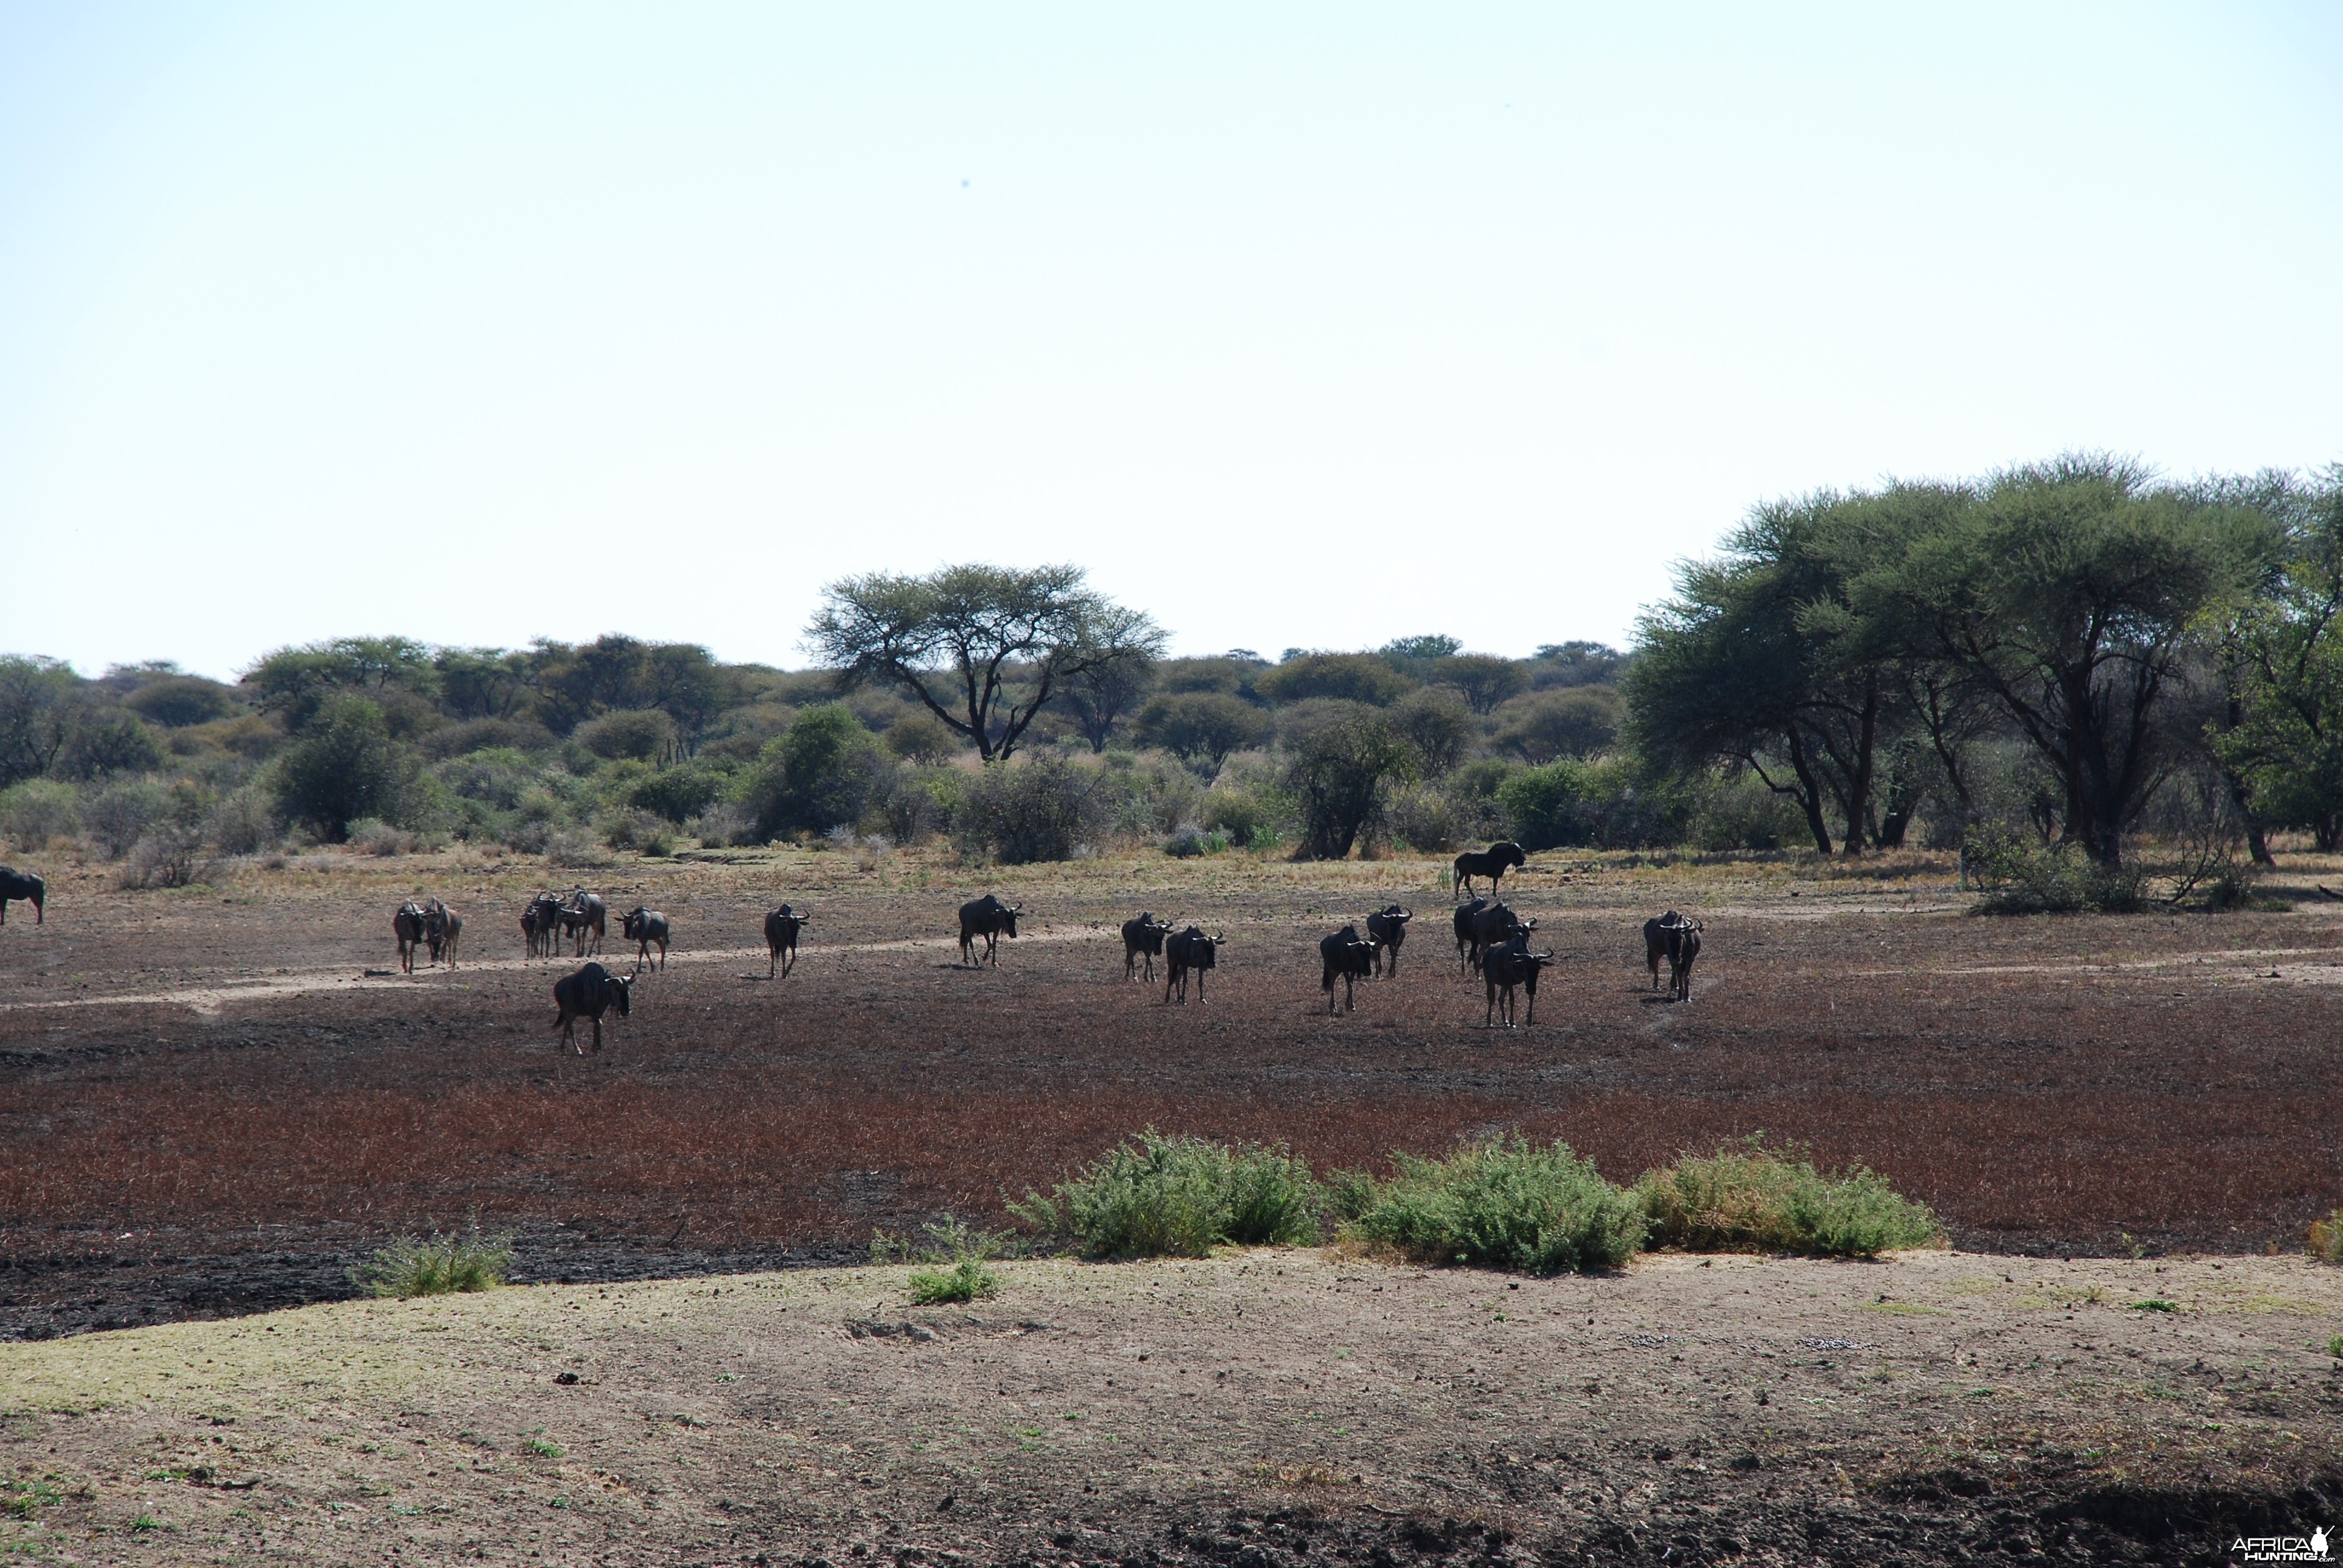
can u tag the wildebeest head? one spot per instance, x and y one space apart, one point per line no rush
619 989
1008 914
632 923
1195 948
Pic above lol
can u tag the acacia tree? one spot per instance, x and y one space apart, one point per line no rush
2282 651
983 648
1103 695
1760 661
2067 592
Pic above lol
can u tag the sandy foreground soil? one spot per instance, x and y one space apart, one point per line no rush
1256 1408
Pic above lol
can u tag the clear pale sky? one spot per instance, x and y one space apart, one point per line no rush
1295 326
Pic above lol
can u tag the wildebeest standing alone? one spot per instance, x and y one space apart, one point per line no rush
589 993
1683 946
988 917
781 927
1491 863
1508 965
1348 957
408 927
1190 949
442 927
1142 939
1387 929
583 917
645 928
24 885
1660 942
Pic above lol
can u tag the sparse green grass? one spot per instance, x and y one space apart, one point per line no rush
1507 1205
2334 1346
1751 1199
1159 1196
438 1267
2154 1304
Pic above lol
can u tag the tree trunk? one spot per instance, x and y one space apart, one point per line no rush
1809 793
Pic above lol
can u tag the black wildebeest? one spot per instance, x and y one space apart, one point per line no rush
589 993
1142 939
25 885
1464 916
442 927
1509 964
1660 942
583 915
539 922
408 926
644 927
1492 927
988 917
1190 949
1348 957
1682 942
1387 929
1492 863
781 927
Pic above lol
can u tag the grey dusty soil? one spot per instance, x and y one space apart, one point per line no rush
1257 1408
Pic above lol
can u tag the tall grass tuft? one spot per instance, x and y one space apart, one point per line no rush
1158 1196
1507 1205
1751 1199
440 1266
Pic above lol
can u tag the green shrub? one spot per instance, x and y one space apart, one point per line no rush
825 770
1616 803
438 1267
120 815
1507 1205
1750 1198
681 792
37 812
346 767
1159 1196
1046 809
965 1281
2019 878
2327 1239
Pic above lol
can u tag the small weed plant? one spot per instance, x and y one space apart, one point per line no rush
1162 1196
1751 1199
2327 1238
962 1249
1505 1204
439 1266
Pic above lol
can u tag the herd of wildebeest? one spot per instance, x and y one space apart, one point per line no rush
1492 940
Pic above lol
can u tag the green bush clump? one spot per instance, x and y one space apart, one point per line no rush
1158 1196
1751 1199
1505 1204
440 1266
965 1281
2327 1239
2022 879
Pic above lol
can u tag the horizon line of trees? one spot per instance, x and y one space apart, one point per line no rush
2073 651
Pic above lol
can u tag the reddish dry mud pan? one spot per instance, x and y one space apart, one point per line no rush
229 1114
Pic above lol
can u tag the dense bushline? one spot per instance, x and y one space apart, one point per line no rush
2045 666
1504 1203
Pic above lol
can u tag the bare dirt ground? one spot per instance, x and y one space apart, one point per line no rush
1267 1408
208 1105
209 1108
